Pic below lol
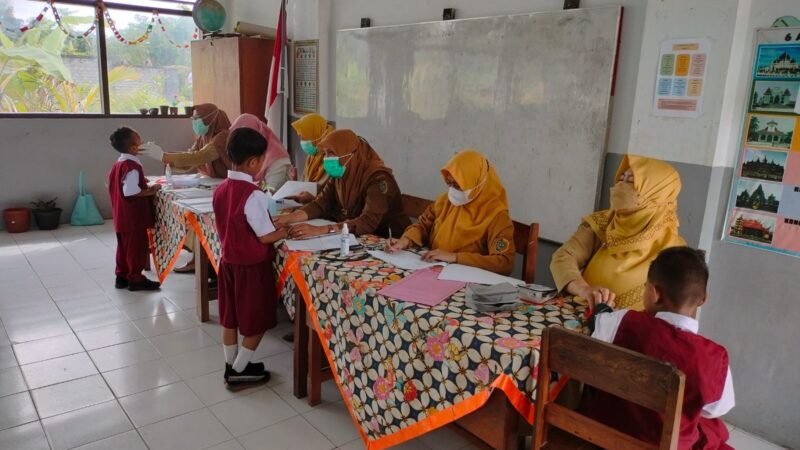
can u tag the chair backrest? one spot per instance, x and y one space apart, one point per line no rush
526 237
632 376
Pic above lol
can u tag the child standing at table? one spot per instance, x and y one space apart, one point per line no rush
247 295
667 330
132 207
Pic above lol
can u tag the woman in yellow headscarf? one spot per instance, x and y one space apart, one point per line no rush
608 257
470 223
312 128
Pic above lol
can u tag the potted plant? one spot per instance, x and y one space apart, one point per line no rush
17 220
47 215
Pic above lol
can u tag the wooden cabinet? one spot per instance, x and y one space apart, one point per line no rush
232 73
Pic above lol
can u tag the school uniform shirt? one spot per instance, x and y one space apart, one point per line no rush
126 180
708 391
242 216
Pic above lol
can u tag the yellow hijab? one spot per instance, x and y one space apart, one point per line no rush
632 238
313 127
456 227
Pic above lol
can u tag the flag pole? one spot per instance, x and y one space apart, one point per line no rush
285 81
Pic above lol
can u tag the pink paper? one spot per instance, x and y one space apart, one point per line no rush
422 287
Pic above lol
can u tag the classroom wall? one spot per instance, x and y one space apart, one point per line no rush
753 307
38 166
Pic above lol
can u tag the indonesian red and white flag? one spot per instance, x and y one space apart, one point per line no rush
275 90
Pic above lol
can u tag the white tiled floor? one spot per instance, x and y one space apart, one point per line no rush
83 365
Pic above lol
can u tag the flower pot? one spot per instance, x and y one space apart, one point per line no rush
153 111
143 111
164 110
173 110
47 219
17 220
189 110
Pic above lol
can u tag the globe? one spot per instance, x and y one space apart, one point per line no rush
208 15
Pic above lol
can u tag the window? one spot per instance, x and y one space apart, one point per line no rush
141 47
44 69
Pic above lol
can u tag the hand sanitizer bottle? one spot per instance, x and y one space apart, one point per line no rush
344 248
168 176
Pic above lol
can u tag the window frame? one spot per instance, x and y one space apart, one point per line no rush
103 63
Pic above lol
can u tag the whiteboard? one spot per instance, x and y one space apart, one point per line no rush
530 91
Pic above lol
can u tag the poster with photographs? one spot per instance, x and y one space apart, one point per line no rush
764 206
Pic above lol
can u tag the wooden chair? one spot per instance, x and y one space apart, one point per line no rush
629 375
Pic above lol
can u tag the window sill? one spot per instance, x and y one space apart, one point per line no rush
85 116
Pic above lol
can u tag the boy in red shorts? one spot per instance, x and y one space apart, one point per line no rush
247 295
667 330
132 206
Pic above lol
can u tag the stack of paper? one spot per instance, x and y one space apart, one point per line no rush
291 188
210 182
198 205
468 274
193 193
422 287
404 259
319 243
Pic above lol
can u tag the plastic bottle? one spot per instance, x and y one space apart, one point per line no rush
168 175
344 248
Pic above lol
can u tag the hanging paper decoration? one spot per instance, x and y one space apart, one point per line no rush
102 10
67 31
119 36
195 35
36 21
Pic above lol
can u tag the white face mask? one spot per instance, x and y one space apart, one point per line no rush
458 198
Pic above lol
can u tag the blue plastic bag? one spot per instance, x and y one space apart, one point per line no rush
85 211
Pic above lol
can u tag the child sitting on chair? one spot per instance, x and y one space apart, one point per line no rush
132 209
667 330
247 296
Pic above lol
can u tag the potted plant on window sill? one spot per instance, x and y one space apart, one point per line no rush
47 215
17 220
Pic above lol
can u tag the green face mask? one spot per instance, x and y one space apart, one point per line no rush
333 167
199 127
308 147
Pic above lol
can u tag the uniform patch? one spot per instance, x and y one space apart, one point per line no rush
500 245
383 186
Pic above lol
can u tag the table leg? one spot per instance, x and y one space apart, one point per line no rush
314 368
202 290
300 347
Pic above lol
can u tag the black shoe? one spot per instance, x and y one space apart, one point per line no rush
145 285
228 372
253 373
121 283
229 369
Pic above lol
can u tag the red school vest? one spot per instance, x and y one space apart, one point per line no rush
703 362
240 245
130 213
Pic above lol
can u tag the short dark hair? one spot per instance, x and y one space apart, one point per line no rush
122 139
680 274
245 143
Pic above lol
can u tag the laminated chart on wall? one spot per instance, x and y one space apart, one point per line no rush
764 205
681 77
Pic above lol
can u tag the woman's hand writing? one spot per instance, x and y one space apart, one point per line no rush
394 245
440 255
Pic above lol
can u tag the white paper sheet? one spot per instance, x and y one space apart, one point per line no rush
318 222
326 242
193 193
404 259
291 188
287 204
210 182
198 205
468 274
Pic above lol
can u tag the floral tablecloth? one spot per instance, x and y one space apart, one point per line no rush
405 369
169 233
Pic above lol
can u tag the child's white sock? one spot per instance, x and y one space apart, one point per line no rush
242 359
230 353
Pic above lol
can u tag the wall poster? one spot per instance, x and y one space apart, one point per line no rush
764 205
681 78
306 76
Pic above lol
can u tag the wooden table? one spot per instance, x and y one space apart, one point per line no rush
403 369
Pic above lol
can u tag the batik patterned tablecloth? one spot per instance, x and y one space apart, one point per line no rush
405 369
169 233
